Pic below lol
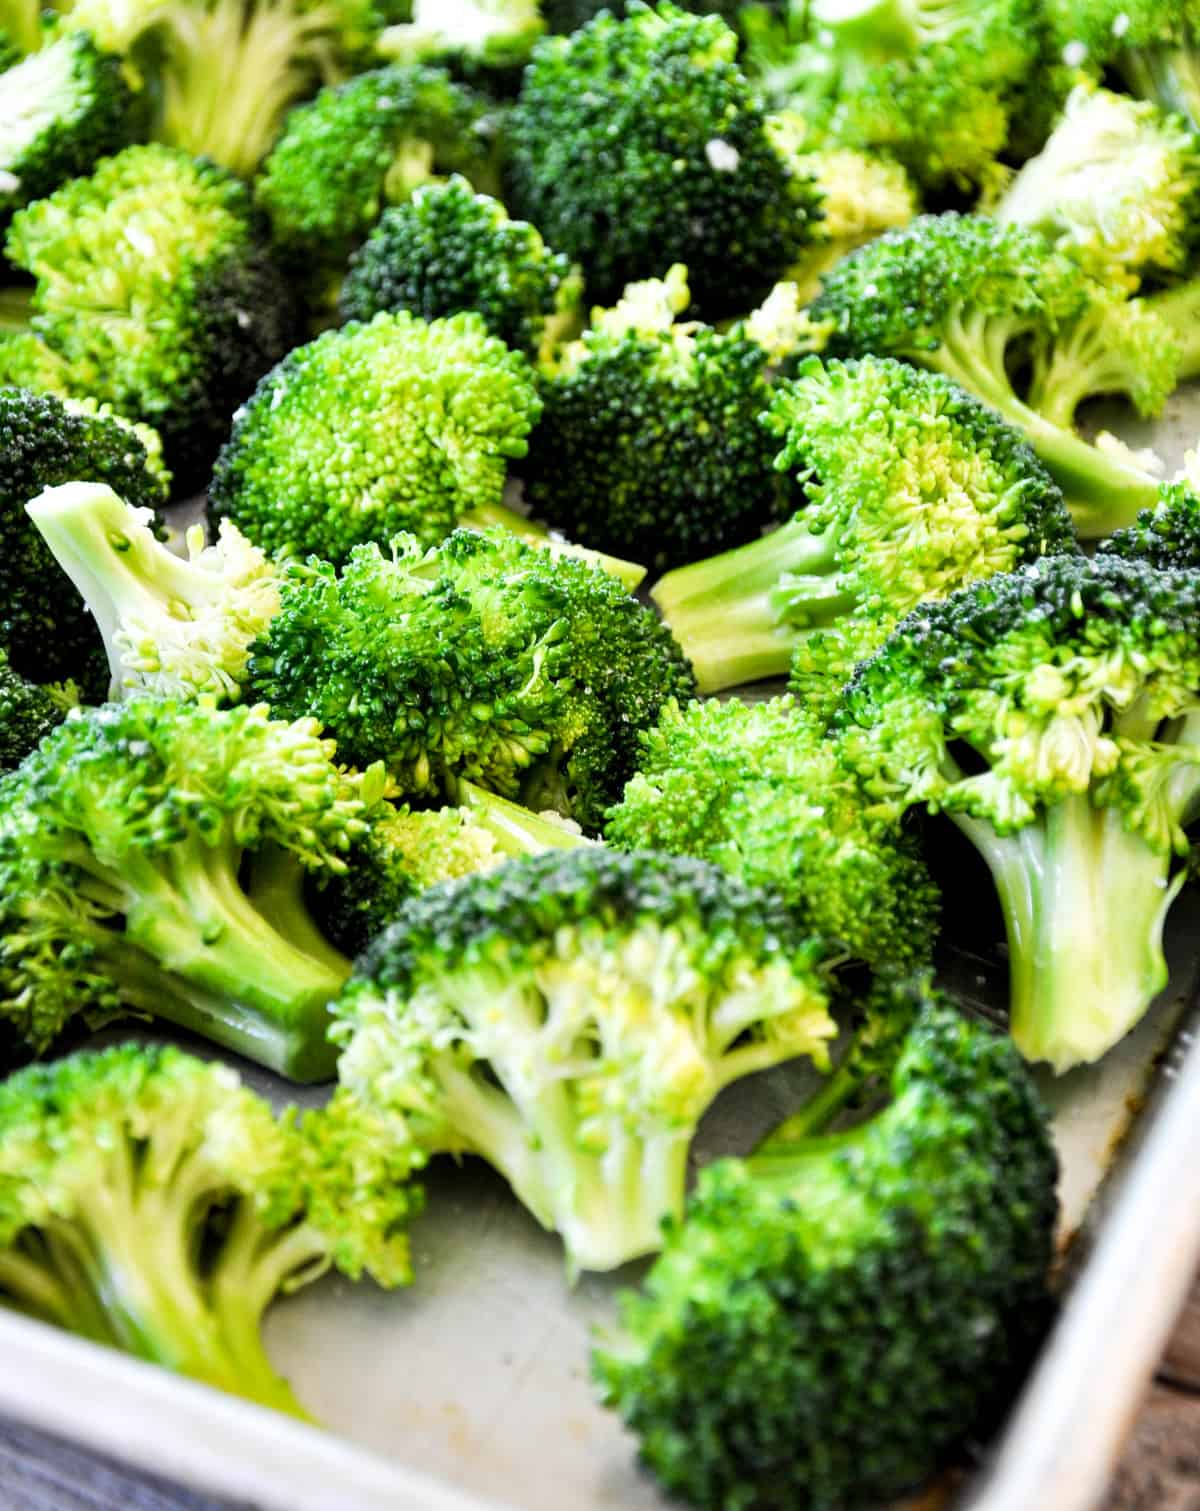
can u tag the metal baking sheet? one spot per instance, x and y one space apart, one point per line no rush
470 1391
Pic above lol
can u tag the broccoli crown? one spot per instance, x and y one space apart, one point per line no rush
638 143
45 441
150 1201
648 440
450 249
27 712
753 789
1116 185
396 425
62 109
570 1016
357 147
152 856
483 658
832 1317
1167 537
195 310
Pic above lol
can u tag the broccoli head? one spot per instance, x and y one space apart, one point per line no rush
839 1311
28 710
968 297
49 634
753 788
639 143
450 249
194 308
151 1202
483 658
396 425
153 856
569 1017
62 109
915 488
353 150
1050 713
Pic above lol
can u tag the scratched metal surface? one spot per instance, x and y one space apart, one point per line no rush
477 1377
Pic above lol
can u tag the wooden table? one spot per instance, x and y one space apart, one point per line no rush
1160 1470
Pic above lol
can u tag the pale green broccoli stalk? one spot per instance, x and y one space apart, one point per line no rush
21 23
153 857
151 1202
915 488
1051 714
1178 309
569 1017
1116 186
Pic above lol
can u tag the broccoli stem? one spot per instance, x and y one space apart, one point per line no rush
1170 76
1080 366
516 830
739 616
1102 492
16 309
1084 903
1180 308
630 573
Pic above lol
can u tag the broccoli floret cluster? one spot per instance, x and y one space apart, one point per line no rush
1167 536
1151 46
28 711
639 143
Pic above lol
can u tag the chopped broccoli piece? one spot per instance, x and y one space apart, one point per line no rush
374 429
569 1017
61 110
49 634
837 1312
1167 536
353 150
916 488
964 295
153 1203
639 143
450 249
152 859
754 789
164 248
482 658
648 438
1050 714
28 711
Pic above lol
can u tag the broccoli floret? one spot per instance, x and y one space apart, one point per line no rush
915 489
569 1017
838 1312
1050 714
50 635
450 249
474 35
1151 46
27 712
61 110
152 859
648 439
639 143
570 15
355 149
195 310
373 429
754 789
1167 536
482 658
150 1201
965 296
172 627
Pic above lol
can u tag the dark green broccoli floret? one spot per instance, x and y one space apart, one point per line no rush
968 297
649 439
151 1202
27 712
370 430
61 110
1050 713
639 143
1151 46
754 789
839 1311
152 859
1167 536
915 489
164 246
355 149
483 658
569 1017
49 633
450 249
